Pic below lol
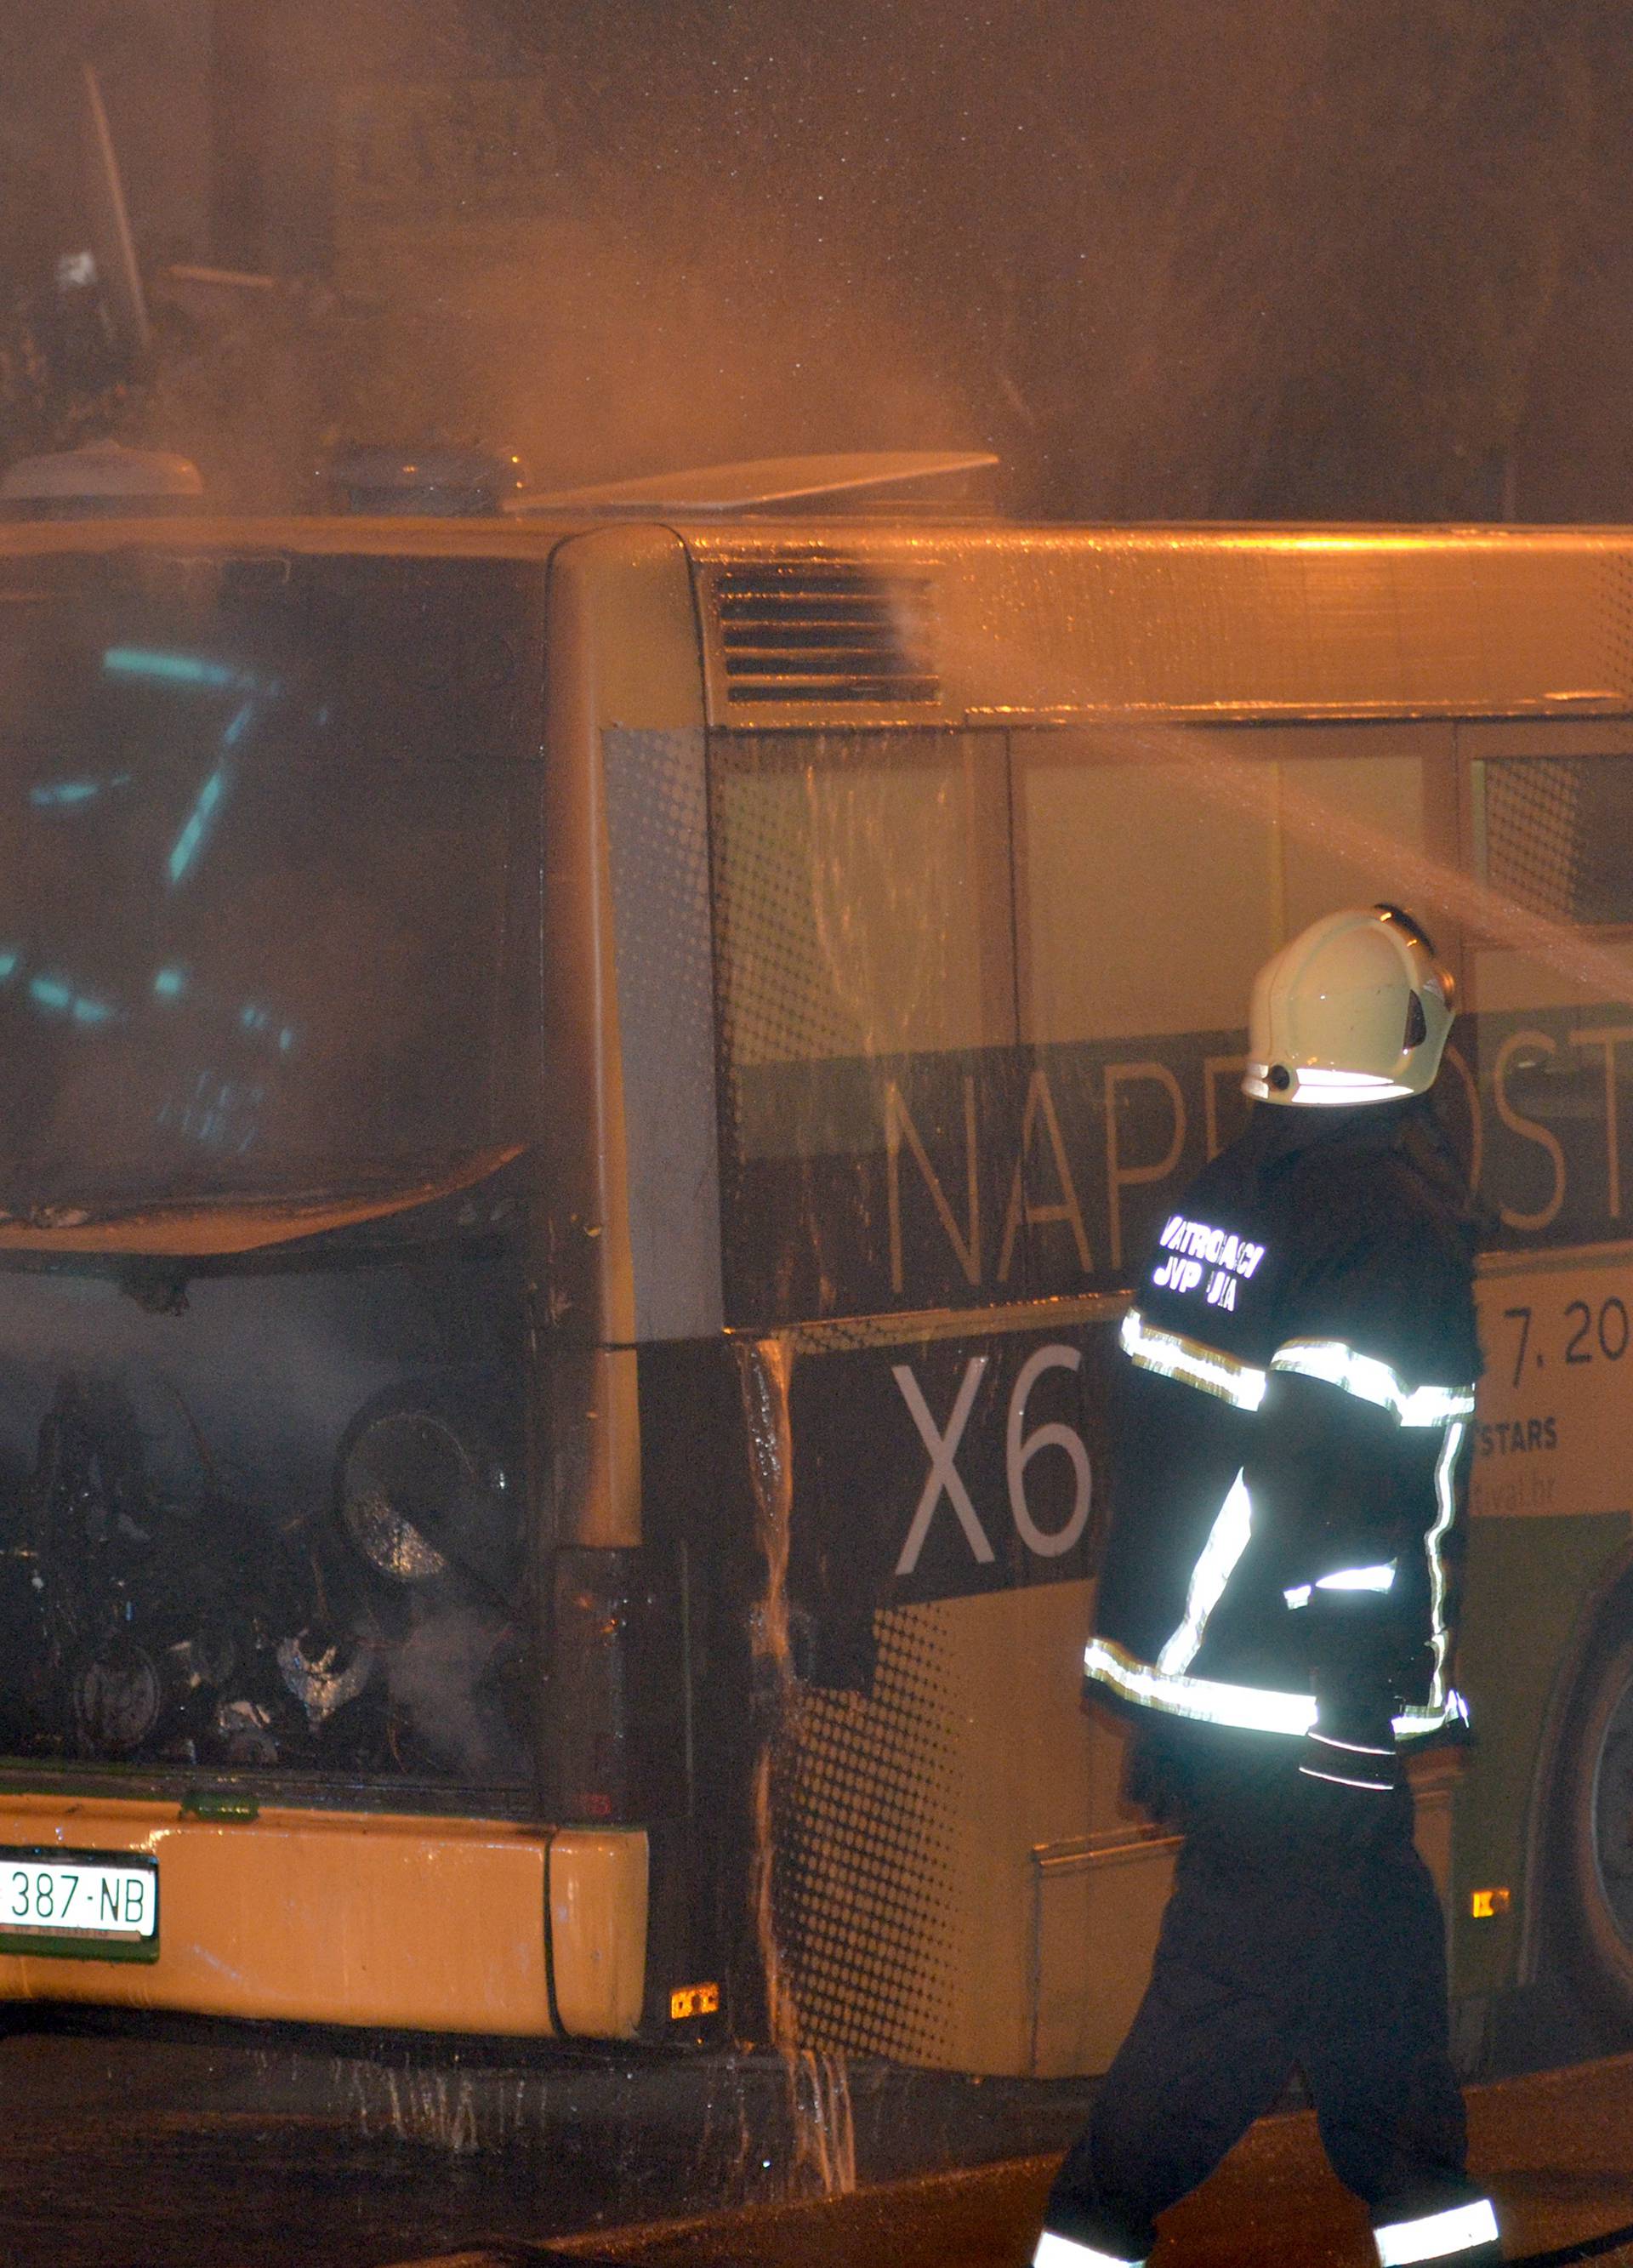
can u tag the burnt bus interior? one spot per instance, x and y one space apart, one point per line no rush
268 1023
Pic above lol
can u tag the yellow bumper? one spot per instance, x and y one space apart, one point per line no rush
347 1918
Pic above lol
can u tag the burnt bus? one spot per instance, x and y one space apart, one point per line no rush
581 1092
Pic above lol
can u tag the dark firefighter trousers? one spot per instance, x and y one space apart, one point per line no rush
1319 1949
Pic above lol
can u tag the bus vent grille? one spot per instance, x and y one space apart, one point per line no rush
810 633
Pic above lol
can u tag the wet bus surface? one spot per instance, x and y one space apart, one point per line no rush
581 1094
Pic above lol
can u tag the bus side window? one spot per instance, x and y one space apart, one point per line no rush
866 1002
1550 977
1553 836
1158 868
851 872
1126 862
1559 834
1345 821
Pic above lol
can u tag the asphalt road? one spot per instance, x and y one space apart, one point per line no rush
1557 2148
174 2142
132 2152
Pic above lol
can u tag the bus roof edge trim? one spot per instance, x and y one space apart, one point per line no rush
761 481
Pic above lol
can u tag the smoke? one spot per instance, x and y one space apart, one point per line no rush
598 352
553 238
441 1675
1192 258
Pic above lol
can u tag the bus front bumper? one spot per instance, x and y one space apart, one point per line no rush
350 1918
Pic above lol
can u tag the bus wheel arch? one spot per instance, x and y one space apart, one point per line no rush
1582 1841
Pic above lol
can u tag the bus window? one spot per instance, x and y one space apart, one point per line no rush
852 865
1156 871
1124 864
1559 834
266 884
1553 836
888 967
865 969
253 927
1342 819
1546 1046
1133 848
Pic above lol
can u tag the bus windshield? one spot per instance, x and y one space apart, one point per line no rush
263 875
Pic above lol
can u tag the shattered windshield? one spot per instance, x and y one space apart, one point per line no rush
264 871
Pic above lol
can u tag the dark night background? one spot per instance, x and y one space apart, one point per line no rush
1170 258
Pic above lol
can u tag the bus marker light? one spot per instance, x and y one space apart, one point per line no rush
1486 1904
693 2001
219 1803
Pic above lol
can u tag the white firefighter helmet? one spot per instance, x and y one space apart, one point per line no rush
1354 1009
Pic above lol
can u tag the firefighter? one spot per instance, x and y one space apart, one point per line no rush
1276 1613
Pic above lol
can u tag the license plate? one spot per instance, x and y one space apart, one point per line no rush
90 1904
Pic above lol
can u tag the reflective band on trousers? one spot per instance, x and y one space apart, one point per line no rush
1193 1361
1440 1695
1245 1708
1345 1579
1341 1780
1436 2235
1371 1380
1066 2252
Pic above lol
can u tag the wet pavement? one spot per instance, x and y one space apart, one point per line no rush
1557 2148
168 2143
131 2152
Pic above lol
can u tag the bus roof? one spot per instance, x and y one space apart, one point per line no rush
866 623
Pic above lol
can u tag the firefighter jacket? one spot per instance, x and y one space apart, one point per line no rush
1291 1433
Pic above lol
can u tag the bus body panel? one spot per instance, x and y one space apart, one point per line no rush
621 648
856 1181
1202 624
1551 1505
598 1899
959 1881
